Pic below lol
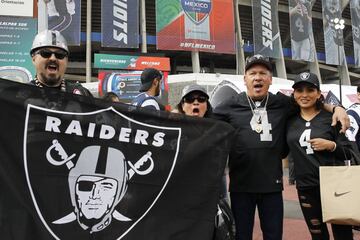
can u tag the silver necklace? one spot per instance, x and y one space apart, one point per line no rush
62 85
257 103
51 104
256 112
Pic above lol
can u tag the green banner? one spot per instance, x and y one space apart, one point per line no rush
108 61
167 11
16 36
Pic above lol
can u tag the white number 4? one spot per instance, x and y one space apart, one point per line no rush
303 140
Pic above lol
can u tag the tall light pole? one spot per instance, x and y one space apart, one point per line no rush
339 27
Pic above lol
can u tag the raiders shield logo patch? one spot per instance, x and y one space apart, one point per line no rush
95 174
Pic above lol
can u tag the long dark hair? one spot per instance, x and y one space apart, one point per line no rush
319 102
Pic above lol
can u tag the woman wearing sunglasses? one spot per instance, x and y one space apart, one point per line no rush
194 102
314 143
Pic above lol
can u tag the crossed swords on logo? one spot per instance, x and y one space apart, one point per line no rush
66 159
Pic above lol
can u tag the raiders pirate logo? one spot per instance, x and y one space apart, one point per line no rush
304 76
95 174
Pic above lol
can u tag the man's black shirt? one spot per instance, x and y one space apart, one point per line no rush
256 165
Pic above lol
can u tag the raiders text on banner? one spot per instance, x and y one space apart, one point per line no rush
266 28
74 167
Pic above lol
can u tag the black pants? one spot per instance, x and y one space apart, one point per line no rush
271 211
291 168
310 203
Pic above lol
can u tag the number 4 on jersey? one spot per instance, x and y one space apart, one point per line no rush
303 140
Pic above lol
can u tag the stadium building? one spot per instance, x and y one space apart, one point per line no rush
182 61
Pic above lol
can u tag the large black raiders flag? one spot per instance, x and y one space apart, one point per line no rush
73 167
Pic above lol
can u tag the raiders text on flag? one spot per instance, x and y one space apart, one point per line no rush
72 167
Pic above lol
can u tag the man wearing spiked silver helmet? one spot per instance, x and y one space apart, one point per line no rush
50 54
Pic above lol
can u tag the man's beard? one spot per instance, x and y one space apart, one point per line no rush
50 81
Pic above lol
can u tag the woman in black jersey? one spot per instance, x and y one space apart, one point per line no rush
313 143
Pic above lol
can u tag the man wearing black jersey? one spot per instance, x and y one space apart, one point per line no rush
255 161
302 42
314 143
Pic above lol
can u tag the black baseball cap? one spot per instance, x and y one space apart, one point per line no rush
147 77
258 59
193 88
306 77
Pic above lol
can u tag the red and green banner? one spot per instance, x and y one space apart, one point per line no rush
129 62
195 25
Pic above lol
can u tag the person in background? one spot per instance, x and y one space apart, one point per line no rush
353 133
111 97
255 160
302 41
353 111
50 54
150 88
314 143
61 17
194 102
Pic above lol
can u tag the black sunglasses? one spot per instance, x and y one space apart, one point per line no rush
45 53
191 99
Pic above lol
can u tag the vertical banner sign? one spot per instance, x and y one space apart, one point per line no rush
355 23
19 8
333 37
16 35
302 38
65 17
120 23
266 28
195 25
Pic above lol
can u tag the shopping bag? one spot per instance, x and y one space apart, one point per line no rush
340 194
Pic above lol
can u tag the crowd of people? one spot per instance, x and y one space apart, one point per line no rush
266 126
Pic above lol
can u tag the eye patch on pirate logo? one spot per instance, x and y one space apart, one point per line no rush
85 186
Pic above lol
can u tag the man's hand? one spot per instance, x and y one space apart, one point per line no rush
341 115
